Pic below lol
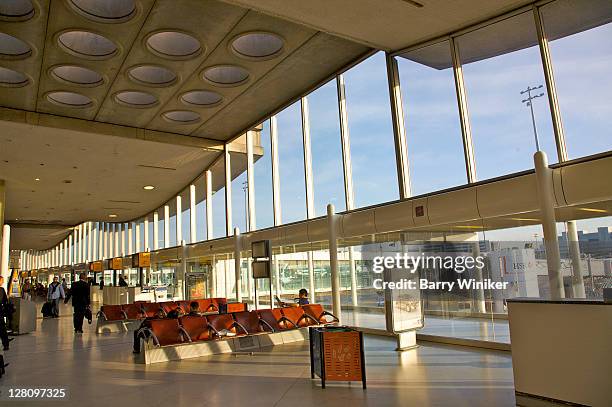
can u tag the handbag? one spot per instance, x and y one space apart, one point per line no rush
88 315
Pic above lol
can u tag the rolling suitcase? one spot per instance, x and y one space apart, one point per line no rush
47 309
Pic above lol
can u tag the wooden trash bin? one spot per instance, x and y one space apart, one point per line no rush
336 353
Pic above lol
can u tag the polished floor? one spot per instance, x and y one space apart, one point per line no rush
99 370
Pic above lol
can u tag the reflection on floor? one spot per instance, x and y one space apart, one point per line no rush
99 370
494 330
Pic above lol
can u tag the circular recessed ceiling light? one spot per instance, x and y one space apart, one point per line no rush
16 10
257 45
112 215
108 11
148 187
87 44
13 47
69 99
77 75
226 75
204 98
134 98
181 116
173 45
12 79
152 75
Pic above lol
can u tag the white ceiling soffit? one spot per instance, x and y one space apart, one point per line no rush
37 236
131 62
388 25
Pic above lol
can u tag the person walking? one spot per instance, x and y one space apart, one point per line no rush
4 312
26 290
54 294
80 302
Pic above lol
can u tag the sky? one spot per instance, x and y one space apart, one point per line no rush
501 127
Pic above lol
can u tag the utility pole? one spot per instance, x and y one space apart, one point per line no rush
529 102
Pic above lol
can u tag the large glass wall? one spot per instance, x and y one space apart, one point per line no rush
433 129
326 149
371 133
579 35
291 164
500 62
239 189
201 232
262 167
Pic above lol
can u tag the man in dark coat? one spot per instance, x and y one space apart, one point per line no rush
80 302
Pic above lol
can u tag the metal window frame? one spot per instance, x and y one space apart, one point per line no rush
276 202
345 142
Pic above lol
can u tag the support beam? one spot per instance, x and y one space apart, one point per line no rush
192 214
179 220
155 230
252 221
147 244
574 249
130 238
309 187
228 190
333 261
138 248
166 226
464 118
399 131
278 219
209 208
546 198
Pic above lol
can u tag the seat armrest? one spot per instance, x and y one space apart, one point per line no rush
212 328
284 318
326 313
239 325
263 322
185 333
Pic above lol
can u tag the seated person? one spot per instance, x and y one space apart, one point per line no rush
175 313
141 332
301 300
194 309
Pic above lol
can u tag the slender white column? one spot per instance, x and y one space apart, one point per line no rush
122 231
5 255
309 182
147 245
155 230
209 208
333 260
117 229
192 214
130 238
166 226
179 220
106 240
574 249
81 242
237 262
138 249
544 181
70 249
275 171
228 190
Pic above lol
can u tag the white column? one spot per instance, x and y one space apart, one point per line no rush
544 180
574 249
117 228
192 214
209 208
228 190
138 249
130 238
275 171
106 240
81 242
166 226
5 254
309 182
123 233
71 249
237 274
147 245
333 261
155 230
179 220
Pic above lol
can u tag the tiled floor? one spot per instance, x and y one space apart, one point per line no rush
99 370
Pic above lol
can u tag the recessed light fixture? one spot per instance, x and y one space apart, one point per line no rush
148 187
107 11
226 75
87 44
36 179
12 47
154 75
12 79
112 215
173 45
137 99
16 10
181 116
76 75
69 99
257 45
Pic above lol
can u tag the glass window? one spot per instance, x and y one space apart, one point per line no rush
218 199
185 217
160 227
238 160
371 133
500 62
579 34
326 148
172 223
151 239
262 167
291 164
433 129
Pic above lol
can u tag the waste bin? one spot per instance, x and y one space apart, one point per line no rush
336 354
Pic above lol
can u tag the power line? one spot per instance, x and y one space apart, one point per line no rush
529 102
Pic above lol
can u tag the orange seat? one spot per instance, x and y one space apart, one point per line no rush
236 307
132 311
298 316
167 332
226 322
112 313
217 302
275 319
185 305
196 327
206 305
317 312
169 306
150 309
250 322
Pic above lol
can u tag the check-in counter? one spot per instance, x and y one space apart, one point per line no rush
561 351
115 295
24 318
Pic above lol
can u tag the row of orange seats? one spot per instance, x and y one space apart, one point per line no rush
140 309
188 328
